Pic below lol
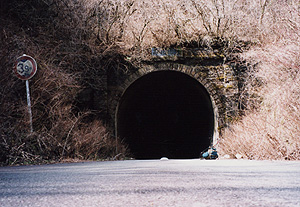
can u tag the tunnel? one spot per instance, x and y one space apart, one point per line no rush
165 114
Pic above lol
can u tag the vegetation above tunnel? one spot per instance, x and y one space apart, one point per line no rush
76 42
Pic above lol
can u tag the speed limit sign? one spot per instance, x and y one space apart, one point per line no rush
25 67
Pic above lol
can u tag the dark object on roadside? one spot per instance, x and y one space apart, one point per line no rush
211 154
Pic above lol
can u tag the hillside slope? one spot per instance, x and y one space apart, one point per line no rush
76 41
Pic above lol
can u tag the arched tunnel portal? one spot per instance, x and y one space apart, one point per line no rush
166 114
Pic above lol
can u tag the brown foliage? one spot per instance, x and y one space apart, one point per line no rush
271 131
57 35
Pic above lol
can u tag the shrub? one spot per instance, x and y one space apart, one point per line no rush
57 34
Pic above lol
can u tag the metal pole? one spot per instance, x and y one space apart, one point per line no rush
29 105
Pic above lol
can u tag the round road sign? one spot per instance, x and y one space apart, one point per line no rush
25 67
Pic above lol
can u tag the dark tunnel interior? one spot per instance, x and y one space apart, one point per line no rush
166 114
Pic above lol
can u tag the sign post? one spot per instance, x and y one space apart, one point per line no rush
29 105
25 68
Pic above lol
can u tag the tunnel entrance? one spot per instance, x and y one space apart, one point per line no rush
166 113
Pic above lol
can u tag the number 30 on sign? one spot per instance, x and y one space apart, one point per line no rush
25 67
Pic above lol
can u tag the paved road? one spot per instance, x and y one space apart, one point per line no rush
153 183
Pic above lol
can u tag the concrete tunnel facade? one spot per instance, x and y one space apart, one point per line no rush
166 114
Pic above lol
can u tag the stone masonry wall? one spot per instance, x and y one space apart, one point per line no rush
222 77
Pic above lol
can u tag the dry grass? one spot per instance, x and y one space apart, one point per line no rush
57 34
137 25
271 131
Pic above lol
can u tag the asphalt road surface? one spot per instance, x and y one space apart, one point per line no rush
153 183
